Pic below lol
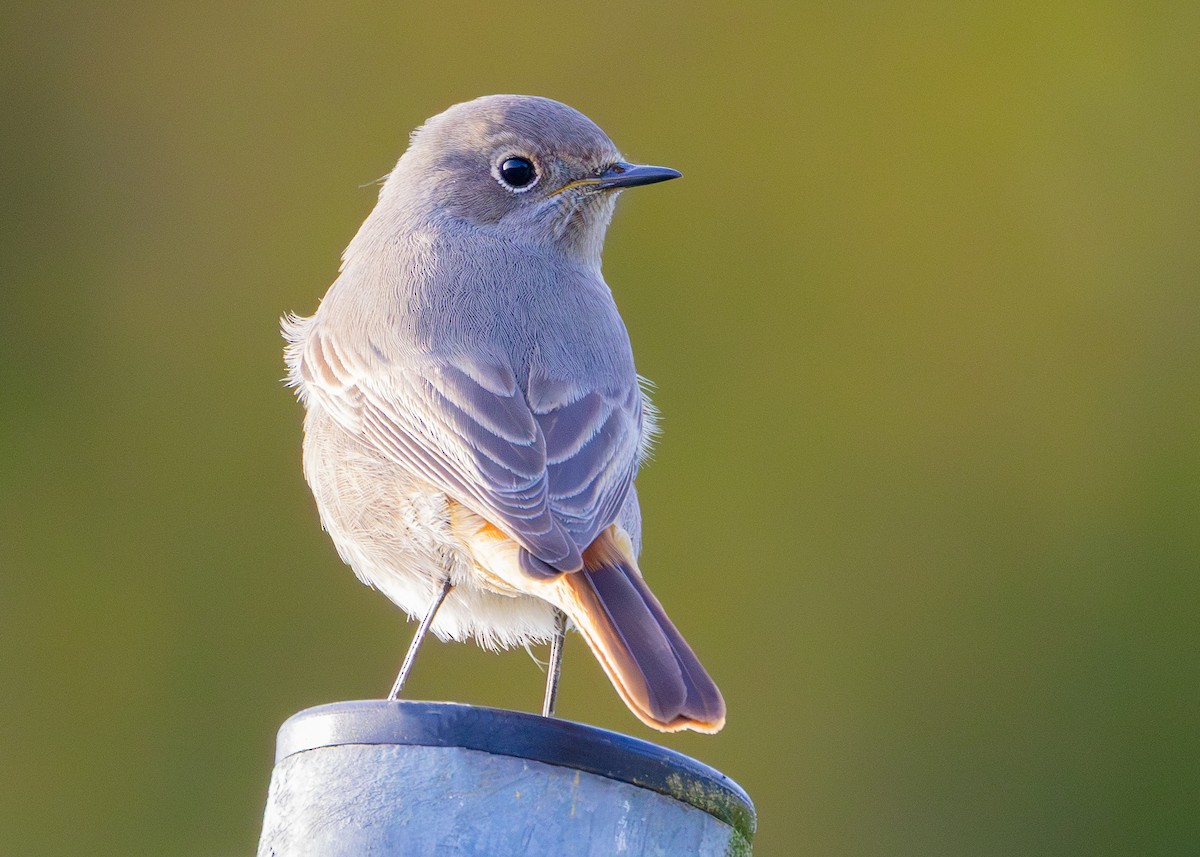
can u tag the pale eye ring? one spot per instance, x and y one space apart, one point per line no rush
516 173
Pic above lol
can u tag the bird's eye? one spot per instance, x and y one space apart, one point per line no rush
517 173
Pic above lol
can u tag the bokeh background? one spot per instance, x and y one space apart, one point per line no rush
923 317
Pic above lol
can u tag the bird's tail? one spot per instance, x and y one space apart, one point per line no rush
649 663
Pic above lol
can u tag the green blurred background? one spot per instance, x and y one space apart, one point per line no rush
923 317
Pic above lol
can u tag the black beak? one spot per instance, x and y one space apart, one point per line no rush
622 175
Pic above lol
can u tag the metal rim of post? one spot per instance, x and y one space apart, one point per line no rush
522 735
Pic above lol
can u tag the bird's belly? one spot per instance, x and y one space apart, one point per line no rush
395 531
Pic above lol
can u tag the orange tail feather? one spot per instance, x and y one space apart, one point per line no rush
649 663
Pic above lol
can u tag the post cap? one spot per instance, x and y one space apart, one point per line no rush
525 736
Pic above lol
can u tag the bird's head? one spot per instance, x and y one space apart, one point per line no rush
528 168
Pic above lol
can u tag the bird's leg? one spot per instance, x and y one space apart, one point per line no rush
422 630
554 669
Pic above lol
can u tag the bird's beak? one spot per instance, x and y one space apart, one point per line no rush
622 175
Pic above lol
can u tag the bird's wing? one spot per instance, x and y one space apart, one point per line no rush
551 478
592 447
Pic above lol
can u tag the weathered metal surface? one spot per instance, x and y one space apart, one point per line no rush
392 778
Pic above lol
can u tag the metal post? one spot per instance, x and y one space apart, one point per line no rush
381 777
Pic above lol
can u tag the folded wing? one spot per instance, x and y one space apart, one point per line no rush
551 475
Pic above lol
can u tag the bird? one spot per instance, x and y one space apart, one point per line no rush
474 420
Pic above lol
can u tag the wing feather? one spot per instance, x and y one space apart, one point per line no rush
552 476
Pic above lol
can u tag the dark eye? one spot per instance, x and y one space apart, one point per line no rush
517 172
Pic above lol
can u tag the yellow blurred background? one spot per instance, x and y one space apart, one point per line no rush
924 316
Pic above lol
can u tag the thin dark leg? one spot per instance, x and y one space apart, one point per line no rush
422 630
554 669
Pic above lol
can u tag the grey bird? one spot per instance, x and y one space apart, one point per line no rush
474 418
